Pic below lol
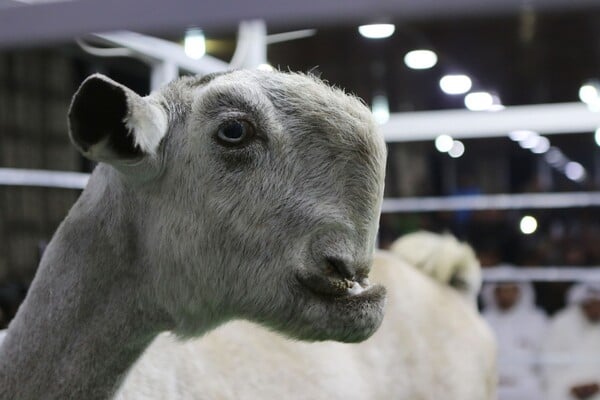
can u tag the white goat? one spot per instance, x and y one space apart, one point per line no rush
250 194
432 345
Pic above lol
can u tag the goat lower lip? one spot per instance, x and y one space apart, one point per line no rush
333 287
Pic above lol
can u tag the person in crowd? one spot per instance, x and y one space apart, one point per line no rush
571 351
519 326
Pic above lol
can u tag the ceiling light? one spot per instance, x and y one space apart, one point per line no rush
380 109
479 101
444 143
520 134
420 59
530 141
542 146
377 31
455 84
574 171
597 136
457 150
555 157
589 92
194 44
528 224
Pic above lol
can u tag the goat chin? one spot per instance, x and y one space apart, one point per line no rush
430 343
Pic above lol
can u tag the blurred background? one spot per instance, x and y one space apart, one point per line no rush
491 111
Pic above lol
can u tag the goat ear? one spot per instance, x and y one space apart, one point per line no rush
109 122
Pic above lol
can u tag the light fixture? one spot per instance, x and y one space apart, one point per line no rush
530 141
377 31
589 92
520 134
479 101
380 108
575 171
457 150
597 136
194 44
555 157
528 224
443 143
455 84
542 145
420 59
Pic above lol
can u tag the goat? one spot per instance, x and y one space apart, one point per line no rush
245 195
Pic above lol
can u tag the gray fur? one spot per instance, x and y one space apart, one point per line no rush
190 234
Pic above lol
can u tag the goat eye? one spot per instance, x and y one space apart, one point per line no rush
234 132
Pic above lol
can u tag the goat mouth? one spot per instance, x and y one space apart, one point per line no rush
337 287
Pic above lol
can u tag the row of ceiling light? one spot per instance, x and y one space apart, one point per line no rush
458 84
452 84
528 140
589 93
538 144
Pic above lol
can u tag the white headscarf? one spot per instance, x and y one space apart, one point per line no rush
582 292
518 331
525 303
572 345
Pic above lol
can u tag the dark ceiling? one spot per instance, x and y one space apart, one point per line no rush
525 58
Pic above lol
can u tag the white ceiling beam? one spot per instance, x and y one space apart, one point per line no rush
546 119
159 50
59 21
492 202
42 178
564 273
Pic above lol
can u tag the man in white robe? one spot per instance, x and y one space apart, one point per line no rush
519 327
571 351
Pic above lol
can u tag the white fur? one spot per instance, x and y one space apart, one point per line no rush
432 345
443 258
148 125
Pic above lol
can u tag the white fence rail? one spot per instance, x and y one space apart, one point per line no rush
77 180
542 274
42 178
492 202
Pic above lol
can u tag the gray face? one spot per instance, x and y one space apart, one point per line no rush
260 201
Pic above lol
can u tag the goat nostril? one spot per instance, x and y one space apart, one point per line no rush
341 267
